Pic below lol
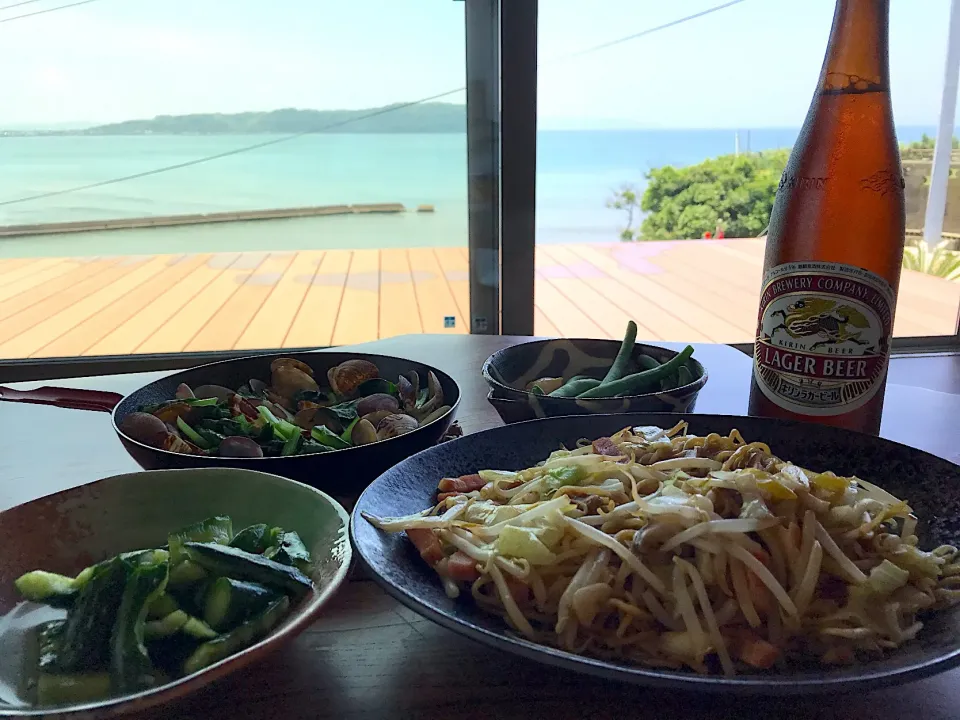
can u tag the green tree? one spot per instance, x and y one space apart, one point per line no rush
735 190
626 199
927 143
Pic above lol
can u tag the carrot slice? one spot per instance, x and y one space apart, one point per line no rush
760 593
462 568
463 484
757 652
427 543
520 590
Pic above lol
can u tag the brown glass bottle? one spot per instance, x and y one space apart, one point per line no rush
835 241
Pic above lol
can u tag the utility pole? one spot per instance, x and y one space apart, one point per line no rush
940 173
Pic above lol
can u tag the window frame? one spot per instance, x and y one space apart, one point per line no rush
501 72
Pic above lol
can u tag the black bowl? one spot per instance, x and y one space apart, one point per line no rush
930 484
342 472
508 371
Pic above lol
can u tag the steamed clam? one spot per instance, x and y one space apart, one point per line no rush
289 377
363 433
346 378
294 411
395 425
377 401
420 404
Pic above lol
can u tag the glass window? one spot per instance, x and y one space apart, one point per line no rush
184 177
640 101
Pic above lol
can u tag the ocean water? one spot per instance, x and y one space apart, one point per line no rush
577 172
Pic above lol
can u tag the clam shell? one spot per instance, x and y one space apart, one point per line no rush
363 433
287 381
378 401
346 377
396 425
291 362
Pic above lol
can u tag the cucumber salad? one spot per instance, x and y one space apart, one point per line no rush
143 618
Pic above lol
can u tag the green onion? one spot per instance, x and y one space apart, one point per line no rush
192 435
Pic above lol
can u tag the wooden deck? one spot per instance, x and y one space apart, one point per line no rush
687 290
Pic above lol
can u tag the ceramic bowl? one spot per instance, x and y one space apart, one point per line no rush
70 530
508 371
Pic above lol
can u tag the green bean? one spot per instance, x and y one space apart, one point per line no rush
640 382
574 387
668 383
619 366
684 376
645 362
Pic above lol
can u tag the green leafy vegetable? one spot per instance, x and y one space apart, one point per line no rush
323 435
217 529
377 385
288 548
565 475
523 542
886 577
253 539
346 411
310 446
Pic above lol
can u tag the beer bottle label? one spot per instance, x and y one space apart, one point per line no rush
823 337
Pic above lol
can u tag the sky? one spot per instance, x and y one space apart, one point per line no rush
751 65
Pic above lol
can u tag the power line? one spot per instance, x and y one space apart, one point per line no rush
375 113
41 12
17 4
650 31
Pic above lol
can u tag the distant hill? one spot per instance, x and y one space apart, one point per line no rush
422 118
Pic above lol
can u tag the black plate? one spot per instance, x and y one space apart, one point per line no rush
339 472
930 484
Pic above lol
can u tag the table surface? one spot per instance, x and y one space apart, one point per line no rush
368 656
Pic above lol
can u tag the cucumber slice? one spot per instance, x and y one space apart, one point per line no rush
166 626
55 590
230 602
186 573
236 640
59 689
234 563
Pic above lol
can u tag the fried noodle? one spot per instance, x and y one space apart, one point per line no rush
705 552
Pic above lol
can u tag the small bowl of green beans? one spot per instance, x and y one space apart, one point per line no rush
548 378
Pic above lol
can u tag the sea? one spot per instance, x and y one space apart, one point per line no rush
577 173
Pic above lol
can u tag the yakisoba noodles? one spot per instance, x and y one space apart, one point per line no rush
669 550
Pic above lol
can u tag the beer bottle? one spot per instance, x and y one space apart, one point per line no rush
835 241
